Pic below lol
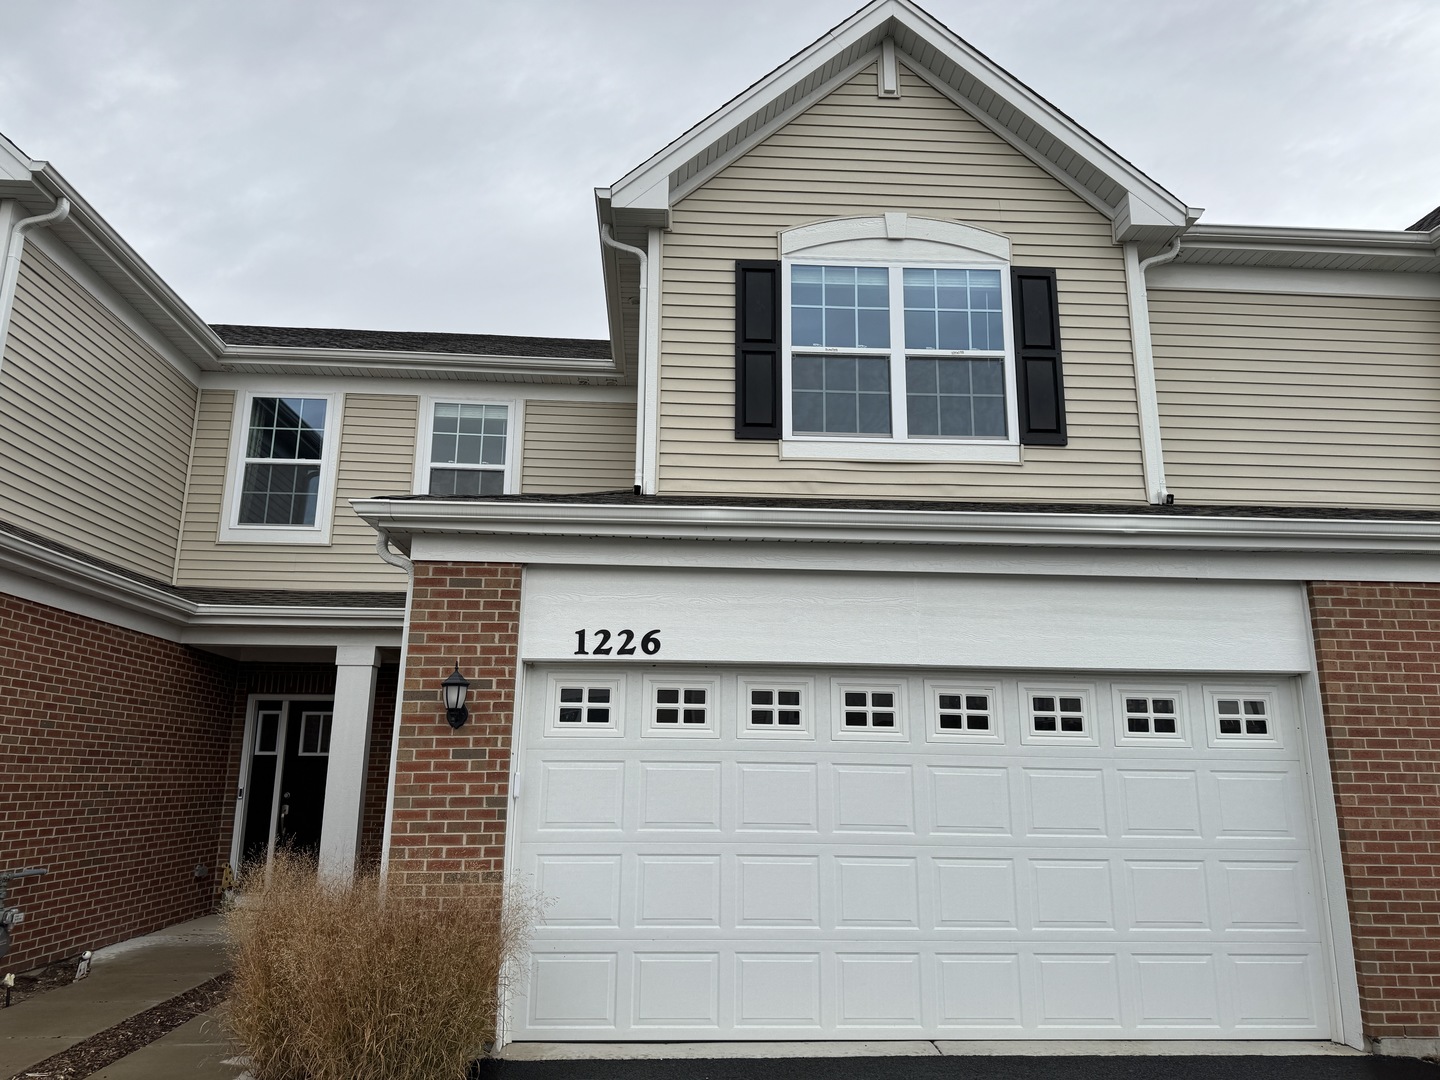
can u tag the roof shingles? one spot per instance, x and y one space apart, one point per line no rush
301 337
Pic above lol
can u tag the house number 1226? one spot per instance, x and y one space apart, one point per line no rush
624 643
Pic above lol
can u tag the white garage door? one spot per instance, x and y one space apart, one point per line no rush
835 854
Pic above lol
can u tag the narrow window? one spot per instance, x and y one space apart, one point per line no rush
468 449
284 448
315 734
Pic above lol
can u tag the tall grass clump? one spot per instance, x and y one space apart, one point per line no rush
343 982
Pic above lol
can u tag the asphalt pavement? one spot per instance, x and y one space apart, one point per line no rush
973 1068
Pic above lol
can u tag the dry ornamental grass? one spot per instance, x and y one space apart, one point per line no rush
340 982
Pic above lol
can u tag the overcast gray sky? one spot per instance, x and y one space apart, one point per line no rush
428 164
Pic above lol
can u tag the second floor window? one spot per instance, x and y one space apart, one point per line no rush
284 447
897 352
465 448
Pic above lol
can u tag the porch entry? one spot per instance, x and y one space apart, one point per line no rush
283 790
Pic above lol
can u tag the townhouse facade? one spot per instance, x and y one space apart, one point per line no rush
965 597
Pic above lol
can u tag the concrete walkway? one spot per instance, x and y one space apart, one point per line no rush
125 979
196 1050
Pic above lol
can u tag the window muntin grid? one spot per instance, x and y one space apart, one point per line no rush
284 448
585 706
929 367
1147 715
777 708
877 710
468 448
1243 716
682 707
965 712
1058 713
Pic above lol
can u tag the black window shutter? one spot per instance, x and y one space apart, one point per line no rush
757 349
1040 384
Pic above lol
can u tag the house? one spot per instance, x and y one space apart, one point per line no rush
967 596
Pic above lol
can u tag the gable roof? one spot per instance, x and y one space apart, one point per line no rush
1428 222
303 337
1140 208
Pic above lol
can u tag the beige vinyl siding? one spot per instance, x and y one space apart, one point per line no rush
1298 400
94 426
854 154
377 457
578 446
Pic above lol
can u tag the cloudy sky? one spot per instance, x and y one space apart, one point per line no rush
429 164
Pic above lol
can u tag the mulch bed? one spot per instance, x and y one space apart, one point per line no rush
130 1035
50 977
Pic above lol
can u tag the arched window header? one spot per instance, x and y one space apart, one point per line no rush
893 236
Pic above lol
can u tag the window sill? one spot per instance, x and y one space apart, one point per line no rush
889 450
273 534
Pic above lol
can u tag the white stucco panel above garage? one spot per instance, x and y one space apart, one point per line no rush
755 616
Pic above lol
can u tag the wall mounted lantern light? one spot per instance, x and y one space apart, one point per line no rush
455 687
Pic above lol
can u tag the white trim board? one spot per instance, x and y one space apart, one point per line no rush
872 557
296 383
1269 279
922 620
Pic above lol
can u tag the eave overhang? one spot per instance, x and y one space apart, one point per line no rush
1400 251
404 519
188 620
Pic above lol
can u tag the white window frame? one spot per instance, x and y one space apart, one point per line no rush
424 438
806 728
231 531
615 729
898 242
841 733
1089 702
1273 740
1125 737
708 730
936 734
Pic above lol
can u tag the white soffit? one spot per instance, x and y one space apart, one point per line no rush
994 96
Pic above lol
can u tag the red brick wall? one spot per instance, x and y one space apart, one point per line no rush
451 787
1379 659
377 769
113 767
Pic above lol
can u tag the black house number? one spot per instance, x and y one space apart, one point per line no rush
617 643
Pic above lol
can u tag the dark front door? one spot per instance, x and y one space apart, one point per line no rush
290 752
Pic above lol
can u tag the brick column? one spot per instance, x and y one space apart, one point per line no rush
452 787
1378 647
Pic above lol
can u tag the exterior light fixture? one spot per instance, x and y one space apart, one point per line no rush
455 687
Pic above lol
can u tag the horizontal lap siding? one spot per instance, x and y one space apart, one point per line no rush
1319 400
377 457
853 154
94 426
578 446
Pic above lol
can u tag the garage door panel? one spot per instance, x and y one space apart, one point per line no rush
735 886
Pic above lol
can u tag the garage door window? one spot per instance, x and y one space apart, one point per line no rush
1057 714
1242 718
771 710
682 708
585 708
868 710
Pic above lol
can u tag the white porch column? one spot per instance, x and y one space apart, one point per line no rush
349 754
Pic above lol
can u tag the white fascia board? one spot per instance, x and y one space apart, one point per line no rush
410 364
168 615
204 345
1208 277
1275 238
949 527
658 168
15 164
996 560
